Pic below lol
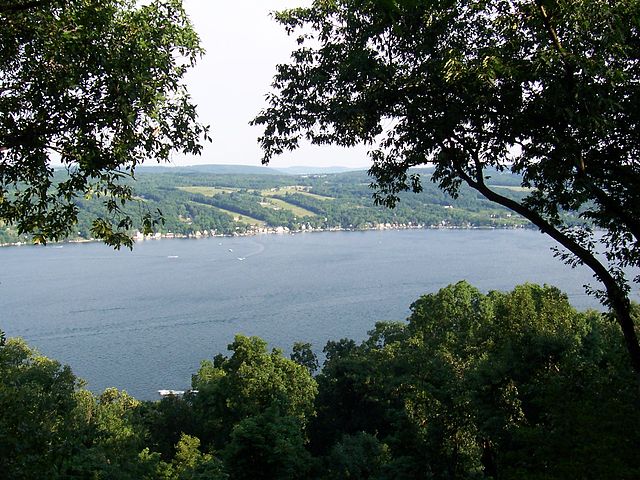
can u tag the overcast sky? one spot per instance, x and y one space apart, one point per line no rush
243 45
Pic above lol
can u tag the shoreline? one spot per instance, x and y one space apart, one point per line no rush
139 237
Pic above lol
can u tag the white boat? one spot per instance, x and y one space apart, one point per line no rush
167 393
175 393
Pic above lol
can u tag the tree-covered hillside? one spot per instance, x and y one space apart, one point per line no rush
191 200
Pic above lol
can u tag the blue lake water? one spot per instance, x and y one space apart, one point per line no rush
143 320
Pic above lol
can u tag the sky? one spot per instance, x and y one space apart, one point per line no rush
243 45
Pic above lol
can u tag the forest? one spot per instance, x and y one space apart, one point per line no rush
510 385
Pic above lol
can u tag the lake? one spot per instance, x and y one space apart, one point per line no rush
143 320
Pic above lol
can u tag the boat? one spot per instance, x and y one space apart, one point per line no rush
176 393
170 393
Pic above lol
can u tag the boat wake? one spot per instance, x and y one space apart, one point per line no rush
258 251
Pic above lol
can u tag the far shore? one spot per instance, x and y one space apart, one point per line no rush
139 237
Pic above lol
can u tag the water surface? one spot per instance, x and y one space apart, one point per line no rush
143 320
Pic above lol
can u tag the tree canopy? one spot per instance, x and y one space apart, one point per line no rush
549 90
96 86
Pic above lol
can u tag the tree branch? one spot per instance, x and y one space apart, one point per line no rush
550 30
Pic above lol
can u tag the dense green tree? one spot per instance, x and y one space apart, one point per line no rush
113 442
546 89
247 384
191 464
303 355
552 395
359 456
96 85
527 381
166 421
499 385
51 428
37 413
353 389
268 445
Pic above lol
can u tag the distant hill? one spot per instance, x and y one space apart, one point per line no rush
216 169
213 169
301 170
493 177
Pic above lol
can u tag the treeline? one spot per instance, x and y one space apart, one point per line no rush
334 200
515 385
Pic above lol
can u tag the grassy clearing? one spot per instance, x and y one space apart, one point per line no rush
237 217
316 196
513 188
296 210
208 191
290 190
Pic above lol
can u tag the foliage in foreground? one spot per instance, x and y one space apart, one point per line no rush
500 385
97 86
